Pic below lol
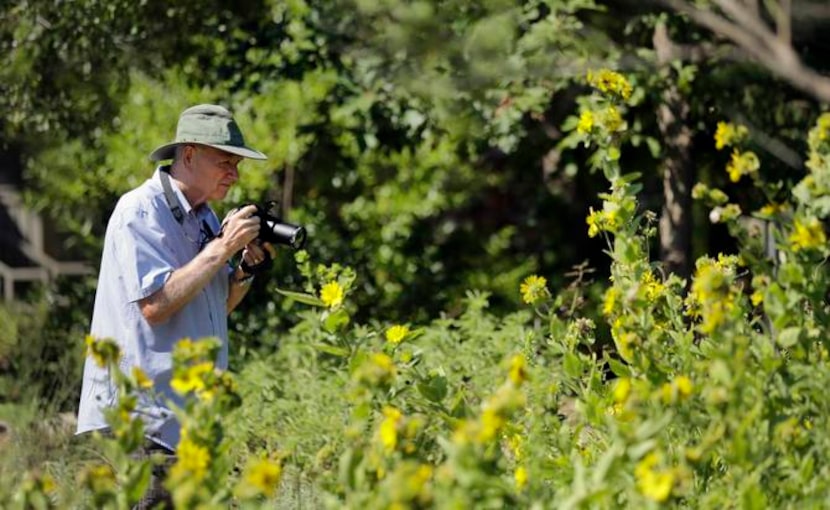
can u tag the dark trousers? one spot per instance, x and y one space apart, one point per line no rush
156 496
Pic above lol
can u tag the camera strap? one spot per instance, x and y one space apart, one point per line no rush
172 200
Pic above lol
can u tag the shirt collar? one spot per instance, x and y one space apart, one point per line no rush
178 192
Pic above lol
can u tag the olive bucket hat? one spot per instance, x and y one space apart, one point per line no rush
211 125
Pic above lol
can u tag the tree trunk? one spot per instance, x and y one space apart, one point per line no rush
678 173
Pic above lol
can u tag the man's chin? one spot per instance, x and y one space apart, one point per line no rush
221 193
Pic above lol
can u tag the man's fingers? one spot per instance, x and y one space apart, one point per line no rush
270 249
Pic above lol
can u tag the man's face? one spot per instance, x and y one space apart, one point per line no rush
215 170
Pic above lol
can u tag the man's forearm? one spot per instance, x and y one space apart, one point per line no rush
185 283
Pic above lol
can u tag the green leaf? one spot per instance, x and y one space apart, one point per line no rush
572 365
619 368
332 349
302 297
434 389
789 336
336 321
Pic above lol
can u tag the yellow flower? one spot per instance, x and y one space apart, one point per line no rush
611 83
684 386
653 288
655 485
678 390
396 334
389 428
625 341
520 475
192 460
191 378
103 351
728 134
594 221
612 119
807 235
100 478
742 163
622 390
586 122
773 209
757 298
609 303
141 379
515 444
533 289
377 370
518 370
332 294
264 476
491 424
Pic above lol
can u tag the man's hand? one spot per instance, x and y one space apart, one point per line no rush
255 253
239 229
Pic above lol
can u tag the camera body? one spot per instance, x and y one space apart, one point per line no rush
275 231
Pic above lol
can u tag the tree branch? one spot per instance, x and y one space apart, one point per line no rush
759 41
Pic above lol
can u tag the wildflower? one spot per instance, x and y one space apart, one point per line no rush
611 83
609 302
126 405
612 119
520 476
594 221
100 478
378 370
586 122
396 334
757 298
655 485
103 351
712 297
807 234
725 214
518 370
533 289
684 386
678 390
264 476
819 133
141 379
622 390
491 423
515 444
389 428
742 163
728 134
332 294
653 288
773 209
625 340
191 378
192 460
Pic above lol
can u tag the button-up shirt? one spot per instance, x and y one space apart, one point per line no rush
144 244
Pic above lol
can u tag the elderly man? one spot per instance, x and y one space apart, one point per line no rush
165 272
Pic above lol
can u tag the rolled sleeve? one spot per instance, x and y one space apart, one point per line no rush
145 261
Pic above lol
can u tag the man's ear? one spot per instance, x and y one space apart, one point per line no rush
188 152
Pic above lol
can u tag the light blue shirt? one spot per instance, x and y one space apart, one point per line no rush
143 245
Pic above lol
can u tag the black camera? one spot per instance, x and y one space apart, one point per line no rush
275 231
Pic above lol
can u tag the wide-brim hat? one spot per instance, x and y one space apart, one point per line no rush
211 125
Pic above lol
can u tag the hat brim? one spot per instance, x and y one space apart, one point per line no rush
167 151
